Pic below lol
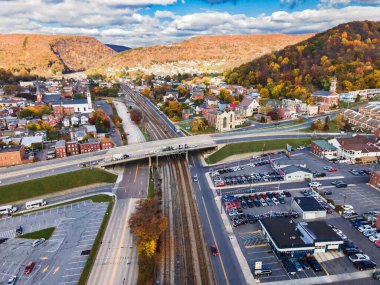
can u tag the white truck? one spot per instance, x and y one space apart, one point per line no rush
35 204
7 209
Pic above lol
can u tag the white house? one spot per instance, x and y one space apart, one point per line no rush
74 120
83 120
66 122
248 107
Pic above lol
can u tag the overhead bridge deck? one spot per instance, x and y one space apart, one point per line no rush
111 160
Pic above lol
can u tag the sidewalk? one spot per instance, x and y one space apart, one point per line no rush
134 135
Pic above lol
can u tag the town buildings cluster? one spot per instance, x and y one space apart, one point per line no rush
46 119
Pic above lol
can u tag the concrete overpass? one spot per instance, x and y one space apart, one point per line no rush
146 150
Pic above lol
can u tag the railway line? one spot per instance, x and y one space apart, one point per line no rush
184 255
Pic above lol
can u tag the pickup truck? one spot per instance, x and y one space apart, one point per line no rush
264 271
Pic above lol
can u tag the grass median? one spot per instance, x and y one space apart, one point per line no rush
53 184
256 146
45 233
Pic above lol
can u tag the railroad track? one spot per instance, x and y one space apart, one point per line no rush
184 255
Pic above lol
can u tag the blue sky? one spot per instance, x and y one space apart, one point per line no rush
137 23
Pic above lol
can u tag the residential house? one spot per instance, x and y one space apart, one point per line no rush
91 130
248 107
74 120
66 122
212 101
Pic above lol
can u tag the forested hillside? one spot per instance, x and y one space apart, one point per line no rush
49 55
350 51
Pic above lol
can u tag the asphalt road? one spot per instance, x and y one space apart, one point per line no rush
226 267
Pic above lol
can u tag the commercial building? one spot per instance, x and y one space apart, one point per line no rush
308 207
106 143
90 145
323 149
295 173
11 155
72 148
291 239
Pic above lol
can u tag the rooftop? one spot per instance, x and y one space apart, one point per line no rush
308 204
294 168
10 148
324 145
320 231
284 232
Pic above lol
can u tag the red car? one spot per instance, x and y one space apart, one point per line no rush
214 250
377 243
332 170
29 267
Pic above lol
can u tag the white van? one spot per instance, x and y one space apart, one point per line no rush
8 209
38 242
35 204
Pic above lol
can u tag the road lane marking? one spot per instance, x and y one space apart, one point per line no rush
45 269
137 170
213 235
56 270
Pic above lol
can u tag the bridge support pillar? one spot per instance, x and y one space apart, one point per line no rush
150 162
187 156
157 162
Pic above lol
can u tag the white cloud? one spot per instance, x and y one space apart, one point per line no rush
123 22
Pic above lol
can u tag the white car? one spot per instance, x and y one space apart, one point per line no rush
370 232
358 257
315 184
348 208
255 156
38 242
374 238
364 228
275 201
301 147
12 280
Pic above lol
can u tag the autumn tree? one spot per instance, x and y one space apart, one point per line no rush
224 94
146 92
182 91
136 115
198 125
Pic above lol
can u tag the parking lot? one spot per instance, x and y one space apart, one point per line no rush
254 246
61 259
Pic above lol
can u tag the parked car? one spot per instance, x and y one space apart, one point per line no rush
2 240
376 275
332 169
19 230
358 257
195 178
365 265
297 264
12 280
304 263
29 267
326 167
275 201
327 192
348 207
314 264
315 184
264 271
374 237
289 267
341 185
364 228
370 232
38 242
377 243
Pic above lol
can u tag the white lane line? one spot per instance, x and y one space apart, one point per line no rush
76 274
69 282
77 262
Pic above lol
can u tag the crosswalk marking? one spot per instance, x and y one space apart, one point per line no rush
8 234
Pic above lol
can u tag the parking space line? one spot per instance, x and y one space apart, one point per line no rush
73 268
69 282
74 262
76 274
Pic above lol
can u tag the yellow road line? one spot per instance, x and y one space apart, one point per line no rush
213 235
137 170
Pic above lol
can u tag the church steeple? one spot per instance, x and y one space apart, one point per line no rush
333 85
89 101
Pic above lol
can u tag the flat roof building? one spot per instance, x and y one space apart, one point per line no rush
289 238
309 208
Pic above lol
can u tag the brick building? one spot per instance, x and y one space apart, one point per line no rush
60 149
90 145
106 143
375 179
12 155
72 148
322 148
